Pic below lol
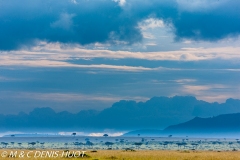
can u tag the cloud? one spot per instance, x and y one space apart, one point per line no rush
74 1
198 5
187 42
183 81
206 20
151 23
56 55
25 23
67 97
49 63
151 44
64 22
211 92
58 52
148 35
120 2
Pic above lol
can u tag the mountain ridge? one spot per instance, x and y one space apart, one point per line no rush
225 124
155 113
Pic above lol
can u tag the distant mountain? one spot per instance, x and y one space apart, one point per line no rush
227 123
157 112
160 112
214 109
222 125
46 119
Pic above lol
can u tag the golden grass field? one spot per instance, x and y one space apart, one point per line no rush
144 155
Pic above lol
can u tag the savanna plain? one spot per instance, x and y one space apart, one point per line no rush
143 155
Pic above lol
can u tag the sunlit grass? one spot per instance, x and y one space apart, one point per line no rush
146 155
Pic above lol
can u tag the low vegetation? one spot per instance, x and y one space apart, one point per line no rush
149 155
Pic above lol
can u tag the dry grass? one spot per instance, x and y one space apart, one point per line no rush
149 155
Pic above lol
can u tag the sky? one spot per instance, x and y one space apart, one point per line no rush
87 54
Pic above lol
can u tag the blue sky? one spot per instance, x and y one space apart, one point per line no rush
87 54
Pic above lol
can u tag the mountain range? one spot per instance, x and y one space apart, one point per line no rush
222 125
156 113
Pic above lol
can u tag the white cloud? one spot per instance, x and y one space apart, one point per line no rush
52 63
151 23
186 54
120 2
148 35
151 44
183 81
74 1
56 55
199 5
187 42
211 93
64 22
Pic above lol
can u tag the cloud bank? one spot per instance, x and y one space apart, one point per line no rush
56 55
25 23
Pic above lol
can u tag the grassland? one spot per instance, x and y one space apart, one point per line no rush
145 155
